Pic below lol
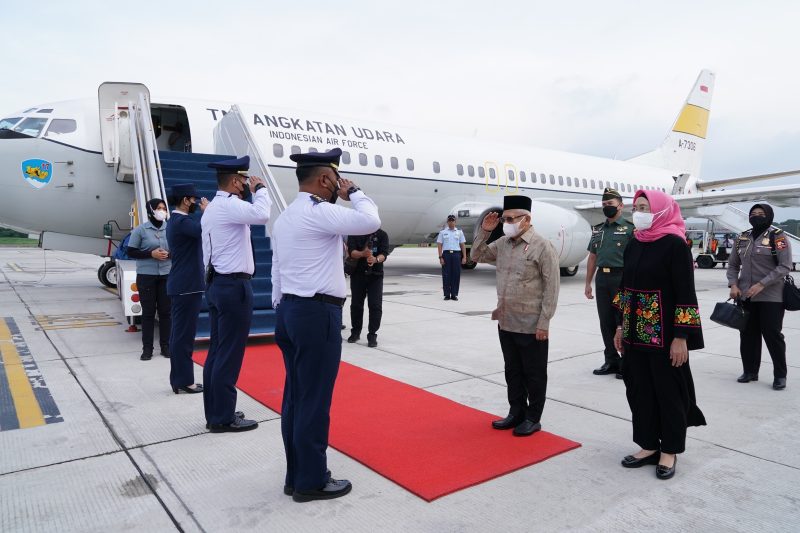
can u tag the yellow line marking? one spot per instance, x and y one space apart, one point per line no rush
14 267
80 326
29 413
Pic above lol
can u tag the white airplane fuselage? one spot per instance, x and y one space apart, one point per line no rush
416 178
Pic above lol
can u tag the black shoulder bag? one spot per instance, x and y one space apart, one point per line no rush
732 315
791 294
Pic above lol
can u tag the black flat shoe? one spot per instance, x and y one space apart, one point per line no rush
511 421
747 378
632 462
527 427
666 472
372 341
236 414
165 351
238 425
289 490
334 488
454 298
607 368
779 384
146 356
188 390
446 297
353 338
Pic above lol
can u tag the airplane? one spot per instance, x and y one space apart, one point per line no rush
60 178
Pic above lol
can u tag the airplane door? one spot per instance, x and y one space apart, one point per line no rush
114 100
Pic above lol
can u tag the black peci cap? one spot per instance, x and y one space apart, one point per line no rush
517 202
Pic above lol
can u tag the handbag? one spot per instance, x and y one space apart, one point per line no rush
350 265
791 294
729 314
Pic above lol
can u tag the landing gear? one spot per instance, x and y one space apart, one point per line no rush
705 261
107 274
469 265
569 271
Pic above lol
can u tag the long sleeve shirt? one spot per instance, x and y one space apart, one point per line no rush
307 244
752 262
528 279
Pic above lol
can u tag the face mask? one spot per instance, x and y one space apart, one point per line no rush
758 221
192 208
160 215
511 230
335 193
610 211
642 220
246 193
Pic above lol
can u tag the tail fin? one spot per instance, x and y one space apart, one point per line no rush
682 150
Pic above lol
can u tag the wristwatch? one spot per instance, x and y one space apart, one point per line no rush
352 190
260 186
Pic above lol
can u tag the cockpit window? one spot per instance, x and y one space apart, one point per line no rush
8 123
31 126
48 110
61 125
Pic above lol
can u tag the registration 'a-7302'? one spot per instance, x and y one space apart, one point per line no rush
686 145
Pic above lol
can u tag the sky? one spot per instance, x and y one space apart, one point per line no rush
601 78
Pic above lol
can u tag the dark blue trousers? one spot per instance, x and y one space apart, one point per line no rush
451 272
230 308
308 333
185 308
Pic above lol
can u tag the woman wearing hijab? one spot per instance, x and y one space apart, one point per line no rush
758 263
148 245
660 323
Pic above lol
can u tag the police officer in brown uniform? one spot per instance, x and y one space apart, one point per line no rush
606 248
760 259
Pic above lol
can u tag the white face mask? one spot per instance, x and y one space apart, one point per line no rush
511 230
642 220
160 215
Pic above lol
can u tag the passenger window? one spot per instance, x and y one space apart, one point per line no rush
510 175
522 175
362 159
616 185
312 150
569 181
592 181
481 172
492 174
379 161
471 171
552 180
345 156
393 162
460 169
296 150
410 164
584 183
561 180
436 167
31 126
542 178
277 148
8 123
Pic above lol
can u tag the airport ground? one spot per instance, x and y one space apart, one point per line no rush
126 454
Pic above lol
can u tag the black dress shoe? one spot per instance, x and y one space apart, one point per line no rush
372 340
446 297
454 298
607 368
146 356
289 490
779 384
236 414
632 462
353 338
620 376
527 427
511 421
197 388
334 488
747 378
165 351
666 472
238 425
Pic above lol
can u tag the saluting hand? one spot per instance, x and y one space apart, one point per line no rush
203 203
345 184
490 221
255 181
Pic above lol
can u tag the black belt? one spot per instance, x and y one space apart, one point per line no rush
235 275
453 251
610 270
318 297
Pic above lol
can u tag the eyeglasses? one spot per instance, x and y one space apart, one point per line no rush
510 220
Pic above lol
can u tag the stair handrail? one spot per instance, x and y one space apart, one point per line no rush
139 182
151 159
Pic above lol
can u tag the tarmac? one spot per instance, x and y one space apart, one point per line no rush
113 449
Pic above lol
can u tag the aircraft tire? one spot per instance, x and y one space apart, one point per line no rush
705 261
107 274
569 271
469 265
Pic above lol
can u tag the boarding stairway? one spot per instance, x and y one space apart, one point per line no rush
185 167
735 220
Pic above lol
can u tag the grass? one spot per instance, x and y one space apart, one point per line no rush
18 242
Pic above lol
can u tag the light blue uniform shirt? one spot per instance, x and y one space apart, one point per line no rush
147 237
451 239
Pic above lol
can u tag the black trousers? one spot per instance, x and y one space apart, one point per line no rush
526 373
309 335
153 297
370 287
606 286
451 273
662 400
766 320
230 309
185 309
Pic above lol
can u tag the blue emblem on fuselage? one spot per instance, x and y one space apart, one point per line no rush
37 172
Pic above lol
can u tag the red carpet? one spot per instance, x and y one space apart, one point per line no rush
427 444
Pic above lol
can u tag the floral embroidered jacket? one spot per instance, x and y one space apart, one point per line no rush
657 299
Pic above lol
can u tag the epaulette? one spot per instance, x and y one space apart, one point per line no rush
317 199
777 231
747 232
598 226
